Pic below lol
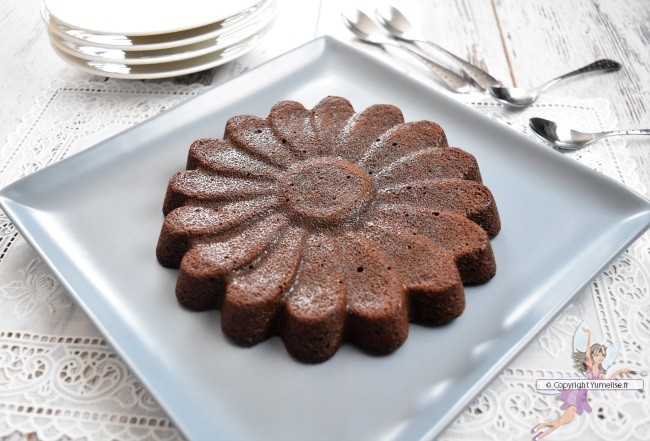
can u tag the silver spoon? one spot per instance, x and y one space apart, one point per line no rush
565 138
522 97
399 27
366 30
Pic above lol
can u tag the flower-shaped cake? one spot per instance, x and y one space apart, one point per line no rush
325 225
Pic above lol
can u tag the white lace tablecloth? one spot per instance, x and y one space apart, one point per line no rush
60 379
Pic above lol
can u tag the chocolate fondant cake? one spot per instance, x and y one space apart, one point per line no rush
326 225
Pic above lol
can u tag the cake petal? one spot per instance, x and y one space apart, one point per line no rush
469 198
328 118
202 220
221 156
315 307
429 273
201 280
203 186
255 136
254 295
291 123
377 307
432 163
468 243
402 140
365 128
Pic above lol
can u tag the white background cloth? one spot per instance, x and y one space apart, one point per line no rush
59 378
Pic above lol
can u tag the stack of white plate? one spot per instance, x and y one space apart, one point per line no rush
142 39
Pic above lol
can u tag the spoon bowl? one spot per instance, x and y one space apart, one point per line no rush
396 23
522 97
515 96
363 27
566 138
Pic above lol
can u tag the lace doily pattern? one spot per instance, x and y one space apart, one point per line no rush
60 379
67 385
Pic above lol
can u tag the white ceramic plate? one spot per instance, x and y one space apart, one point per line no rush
164 70
168 55
143 17
95 219
159 41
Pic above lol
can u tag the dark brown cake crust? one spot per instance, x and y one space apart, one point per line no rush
323 226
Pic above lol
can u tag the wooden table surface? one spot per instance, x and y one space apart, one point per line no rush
520 43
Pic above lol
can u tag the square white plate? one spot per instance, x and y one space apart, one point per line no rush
95 219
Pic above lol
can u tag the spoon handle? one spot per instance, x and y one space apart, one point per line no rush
625 132
482 78
454 81
600 65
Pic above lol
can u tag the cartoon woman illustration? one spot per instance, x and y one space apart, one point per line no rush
593 362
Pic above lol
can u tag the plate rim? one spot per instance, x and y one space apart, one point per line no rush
216 59
324 42
54 8
181 52
52 24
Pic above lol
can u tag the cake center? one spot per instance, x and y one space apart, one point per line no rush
326 191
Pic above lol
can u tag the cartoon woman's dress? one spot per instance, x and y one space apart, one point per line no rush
578 397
